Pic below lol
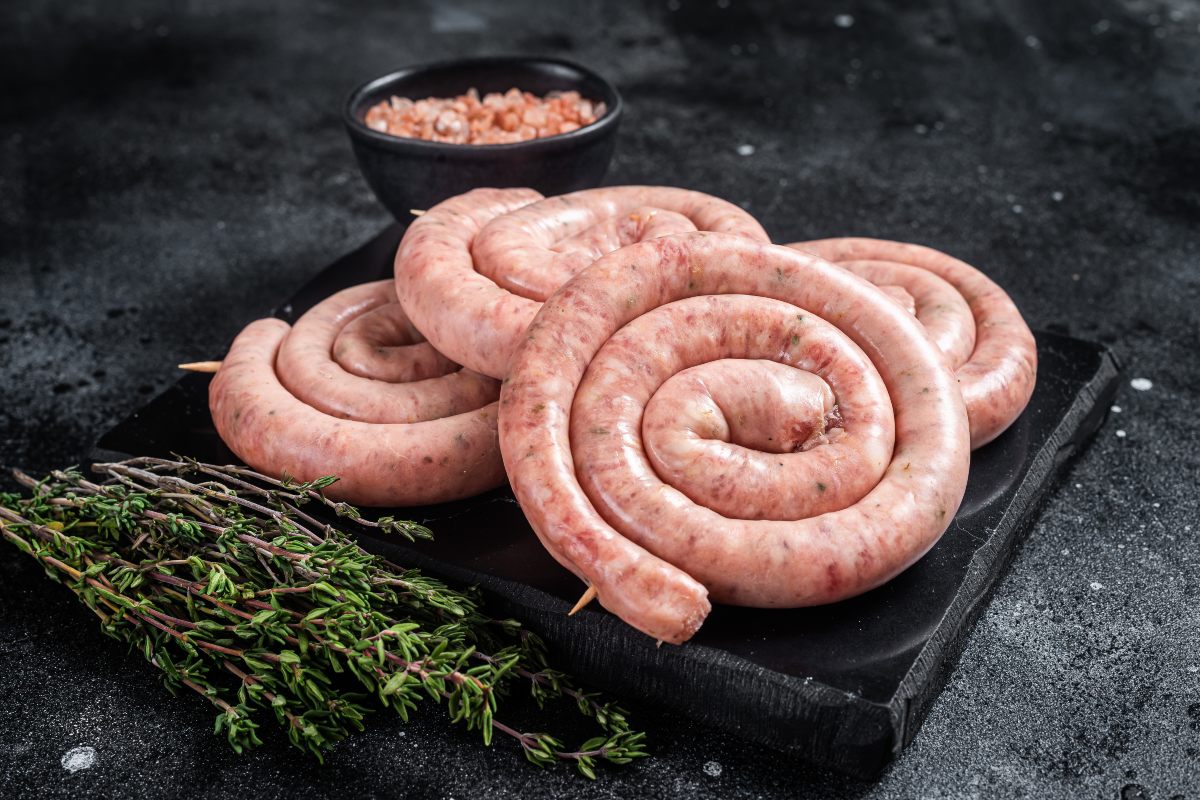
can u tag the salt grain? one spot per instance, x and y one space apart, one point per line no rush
712 769
1120 434
843 20
745 149
78 758
1141 384
1056 196
1116 409
1096 586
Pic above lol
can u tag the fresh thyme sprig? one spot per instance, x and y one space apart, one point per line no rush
224 581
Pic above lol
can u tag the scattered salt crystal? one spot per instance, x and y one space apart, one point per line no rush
1065 551
1033 42
78 758
1120 434
1096 586
1156 505
1018 208
1141 384
1116 409
712 769
1057 196
843 20
921 129
1079 486
745 149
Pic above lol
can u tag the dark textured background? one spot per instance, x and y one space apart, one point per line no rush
166 176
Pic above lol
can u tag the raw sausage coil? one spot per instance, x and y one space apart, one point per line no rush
352 390
472 272
974 322
702 416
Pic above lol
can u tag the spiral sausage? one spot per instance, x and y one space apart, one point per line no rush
974 322
329 396
472 272
870 437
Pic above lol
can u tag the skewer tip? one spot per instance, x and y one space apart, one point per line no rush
201 366
588 597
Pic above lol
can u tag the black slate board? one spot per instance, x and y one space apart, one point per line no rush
844 686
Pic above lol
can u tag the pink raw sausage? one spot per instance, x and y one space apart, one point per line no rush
573 433
994 355
472 271
440 457
430 386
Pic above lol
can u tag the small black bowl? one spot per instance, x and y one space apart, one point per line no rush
414 173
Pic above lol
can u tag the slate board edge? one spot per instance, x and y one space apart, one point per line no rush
937 659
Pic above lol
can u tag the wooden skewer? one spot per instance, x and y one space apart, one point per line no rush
416 212
201 366
588 597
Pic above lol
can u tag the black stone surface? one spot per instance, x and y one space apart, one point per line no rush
845 685
167 174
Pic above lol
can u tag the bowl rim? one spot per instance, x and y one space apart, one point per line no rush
600 127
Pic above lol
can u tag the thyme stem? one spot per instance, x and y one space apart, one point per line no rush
231 590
